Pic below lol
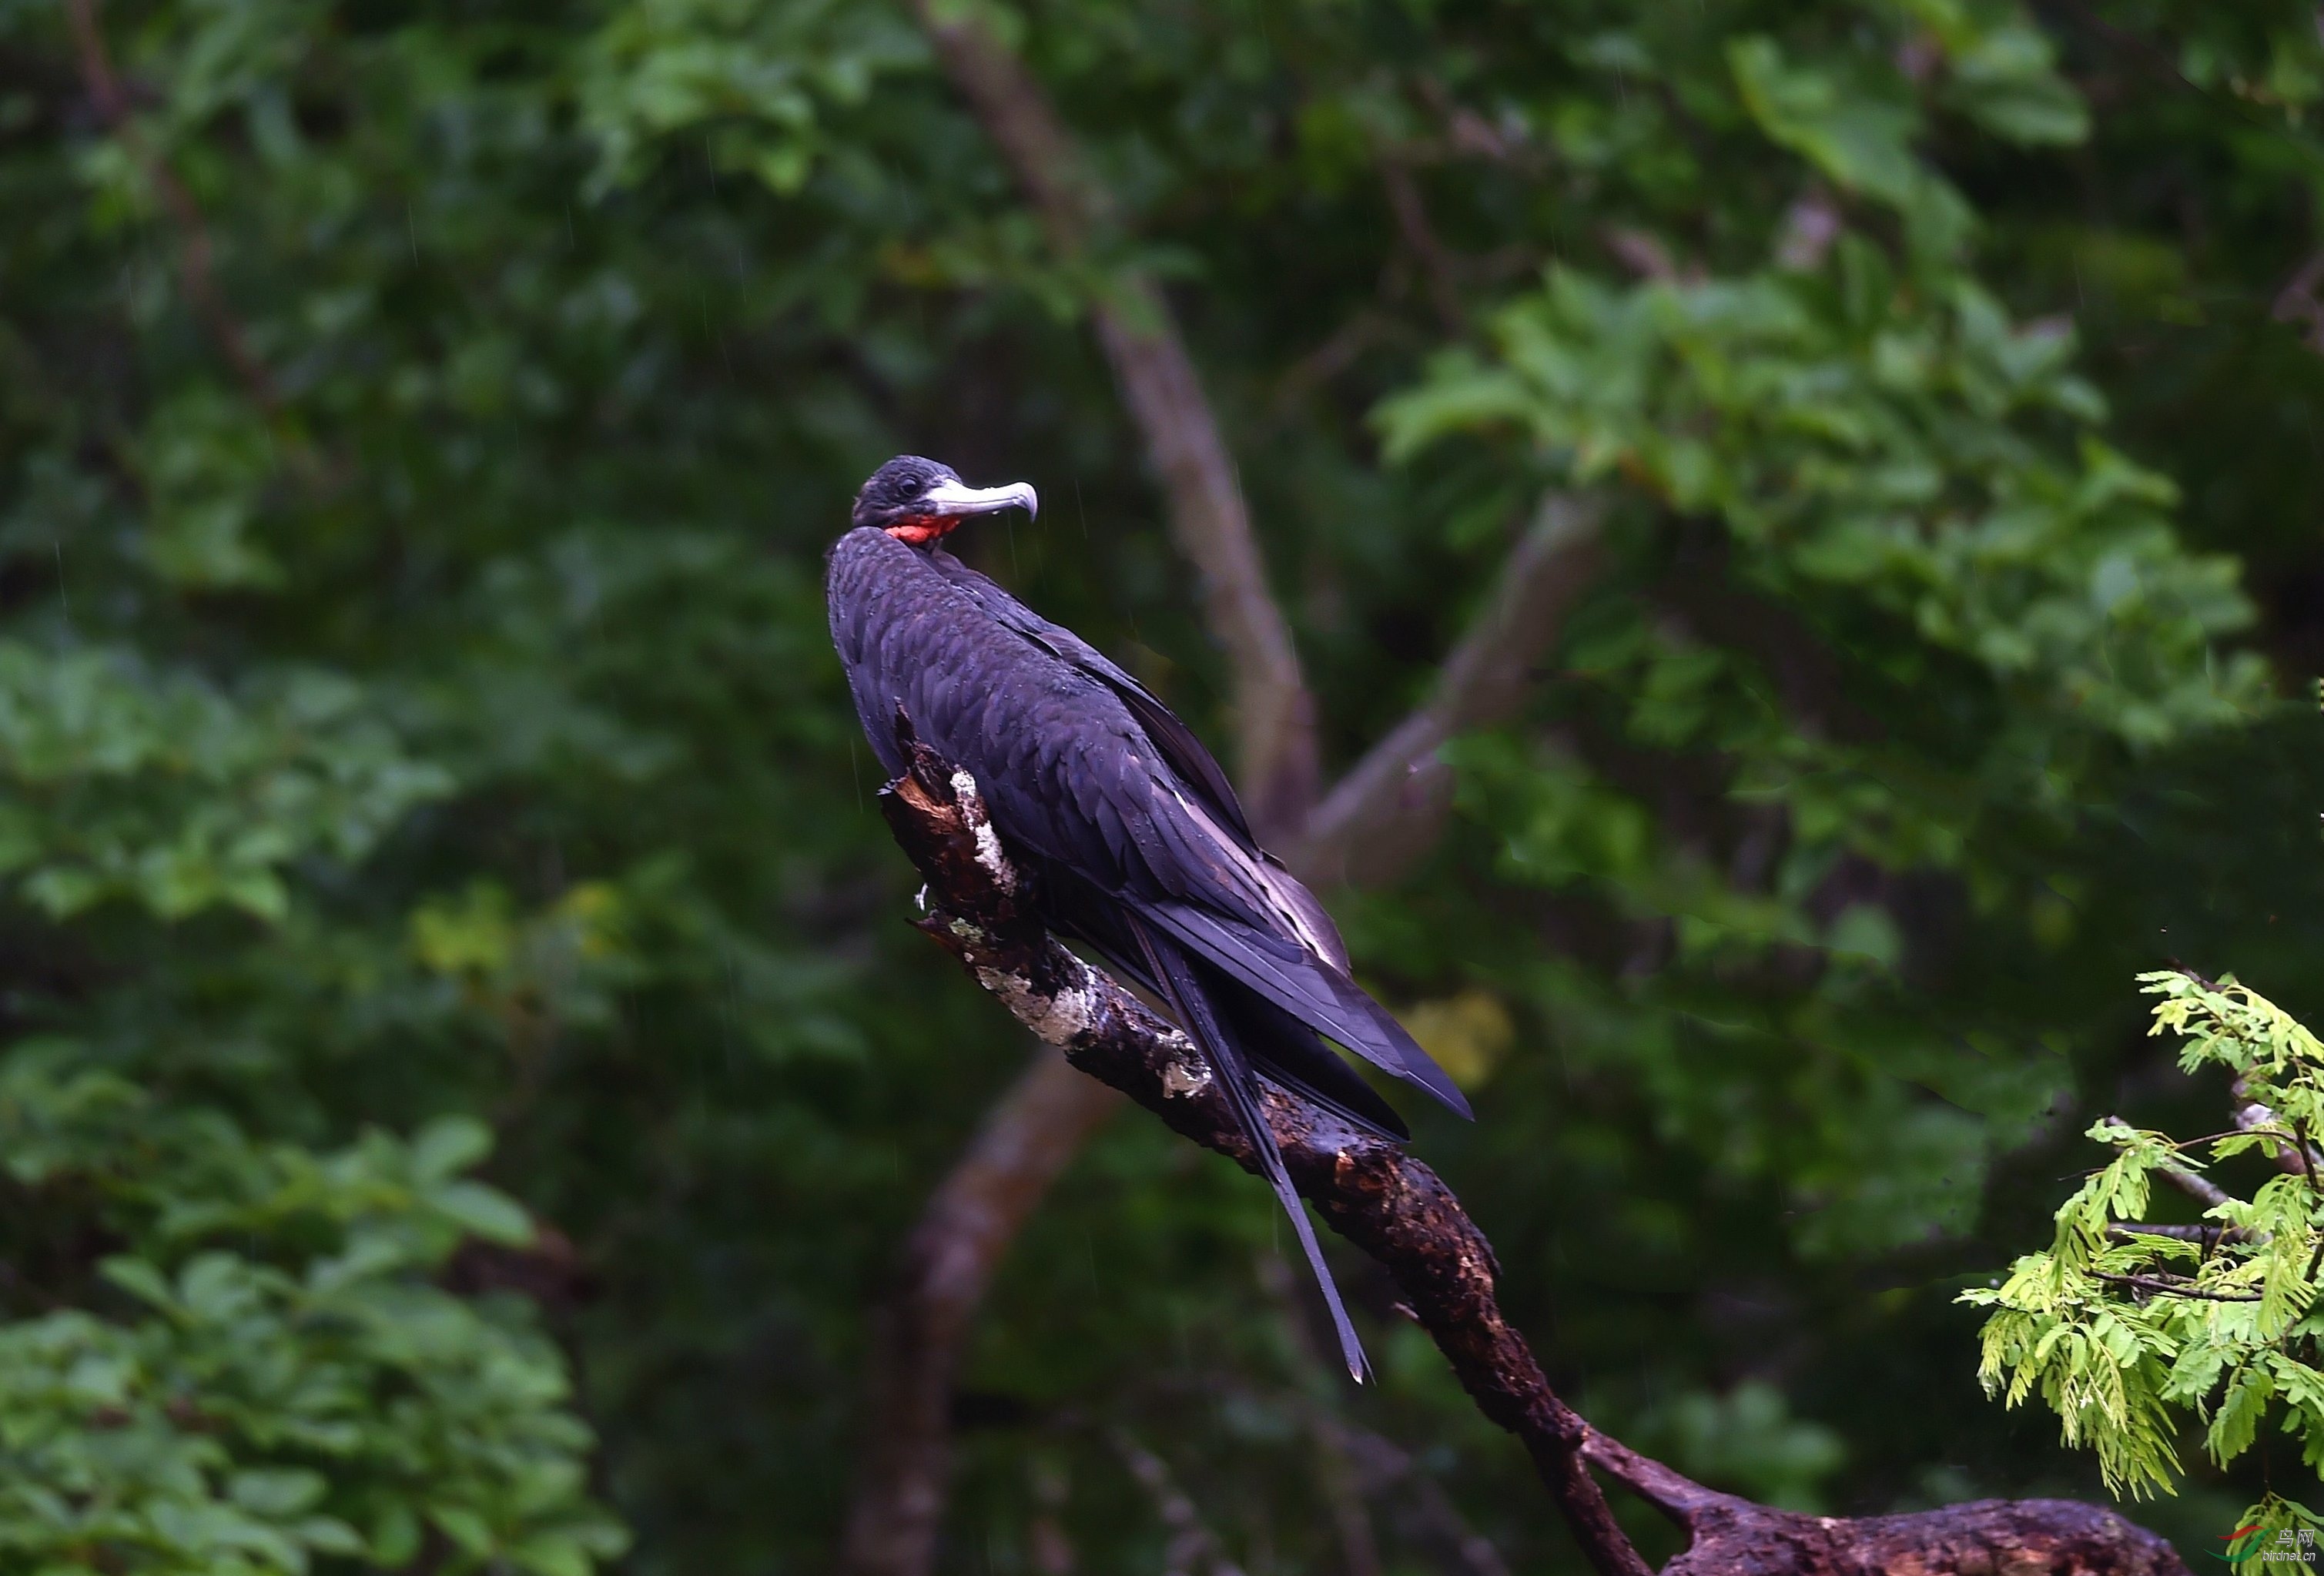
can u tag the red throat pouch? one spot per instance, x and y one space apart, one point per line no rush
919 529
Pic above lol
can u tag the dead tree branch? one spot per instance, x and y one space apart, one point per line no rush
1385 812
1192 1541
1369 1191
1274 715
1732 1536
1397 1210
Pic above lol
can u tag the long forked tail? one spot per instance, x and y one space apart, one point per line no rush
1175 974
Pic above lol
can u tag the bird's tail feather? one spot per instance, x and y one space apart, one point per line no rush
1288 1052
1308 988
1174 973
1271 1039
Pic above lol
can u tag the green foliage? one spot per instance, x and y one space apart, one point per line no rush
153 787
279 1379
1862 446
2120 1332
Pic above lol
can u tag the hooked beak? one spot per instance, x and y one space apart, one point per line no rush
948 498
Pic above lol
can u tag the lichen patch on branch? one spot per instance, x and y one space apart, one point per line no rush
1179 1078
1061 1017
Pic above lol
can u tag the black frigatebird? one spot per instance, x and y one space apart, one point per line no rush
1134 838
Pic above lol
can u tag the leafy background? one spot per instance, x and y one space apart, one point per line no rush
466 1071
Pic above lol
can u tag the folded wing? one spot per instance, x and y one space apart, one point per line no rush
1308 988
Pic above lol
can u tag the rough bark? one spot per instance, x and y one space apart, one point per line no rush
1732 1536
1396 1208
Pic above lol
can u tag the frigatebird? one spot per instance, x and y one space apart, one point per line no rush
1136 843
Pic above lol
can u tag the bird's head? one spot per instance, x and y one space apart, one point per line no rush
917 501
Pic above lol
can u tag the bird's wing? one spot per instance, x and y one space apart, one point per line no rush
1310 989
1076 780
1278 1045
1173 738
1209 803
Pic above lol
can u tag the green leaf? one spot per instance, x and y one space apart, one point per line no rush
275 1492
448 1145
467 1529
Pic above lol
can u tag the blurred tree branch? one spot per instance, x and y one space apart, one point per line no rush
1385 812
1274 715
1191 1541
194 249
1397 1210
1026 1138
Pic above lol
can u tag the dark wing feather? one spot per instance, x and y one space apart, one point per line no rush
1174 740
1189 1003
1276 1043
1295 980
1076 782
1296 1057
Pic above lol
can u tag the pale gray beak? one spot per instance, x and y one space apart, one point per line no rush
958 498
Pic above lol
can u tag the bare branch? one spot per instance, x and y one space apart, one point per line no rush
1470 134
1392 1207
1357 1465
194 250
1384 1461
1338 350
1368 1189
2196 1185
1385 811
2175 1288
1436 265
2296 1157
2210 1235
1728 1535
1026 1141
1191 1539
1274 715
1335 1464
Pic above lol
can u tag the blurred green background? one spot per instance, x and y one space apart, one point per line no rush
466 1072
